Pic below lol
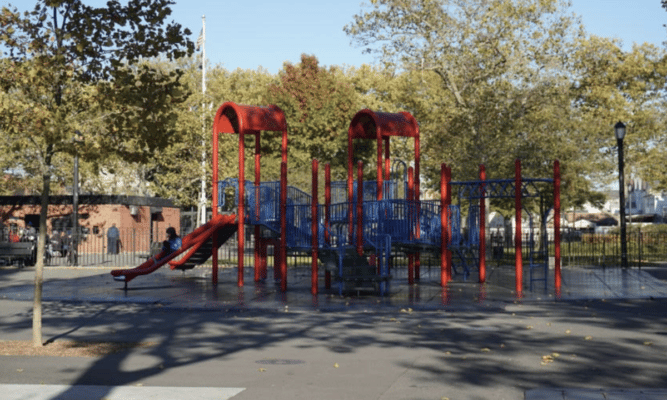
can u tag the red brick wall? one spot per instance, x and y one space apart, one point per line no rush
135 230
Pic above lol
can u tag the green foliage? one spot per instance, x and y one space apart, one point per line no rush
318 104
614 85
484 68
493 81
249 87
70 67
69 70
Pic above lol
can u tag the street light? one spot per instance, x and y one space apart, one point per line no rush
619 131
74 245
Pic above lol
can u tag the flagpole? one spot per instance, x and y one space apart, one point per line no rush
202 194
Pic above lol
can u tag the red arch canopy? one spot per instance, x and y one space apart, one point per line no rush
368 124
381 126
243 120
234 118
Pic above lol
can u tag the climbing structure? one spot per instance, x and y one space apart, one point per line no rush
251 120
362 225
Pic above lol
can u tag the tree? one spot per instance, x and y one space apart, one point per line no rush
249 87
319 104
68 68
484 70
612 85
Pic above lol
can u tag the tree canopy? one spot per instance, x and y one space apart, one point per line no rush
505 79
74 81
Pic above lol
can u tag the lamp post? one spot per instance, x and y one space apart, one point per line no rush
619 131
74 245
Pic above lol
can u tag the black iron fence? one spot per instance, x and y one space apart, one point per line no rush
644 248
580 249
577 249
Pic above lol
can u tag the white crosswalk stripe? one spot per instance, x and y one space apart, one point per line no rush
81 392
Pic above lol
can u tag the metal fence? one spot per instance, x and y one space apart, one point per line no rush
577 249
588 249
604 250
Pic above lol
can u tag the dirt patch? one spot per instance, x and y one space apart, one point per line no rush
66 348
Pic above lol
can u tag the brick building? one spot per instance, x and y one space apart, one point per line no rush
140 220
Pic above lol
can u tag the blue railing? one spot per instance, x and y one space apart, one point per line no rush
403 222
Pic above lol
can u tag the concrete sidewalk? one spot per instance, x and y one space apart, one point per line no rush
468 342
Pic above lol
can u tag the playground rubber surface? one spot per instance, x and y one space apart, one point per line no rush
603 338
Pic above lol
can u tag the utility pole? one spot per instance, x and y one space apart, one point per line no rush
201 41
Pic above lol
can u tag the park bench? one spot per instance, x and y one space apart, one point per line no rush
20 253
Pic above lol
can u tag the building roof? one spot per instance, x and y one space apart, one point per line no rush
88 199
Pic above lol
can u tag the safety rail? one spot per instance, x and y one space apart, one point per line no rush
498 188
391 189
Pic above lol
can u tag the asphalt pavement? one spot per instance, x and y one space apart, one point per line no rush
601 340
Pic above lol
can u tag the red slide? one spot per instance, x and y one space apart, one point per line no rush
224 224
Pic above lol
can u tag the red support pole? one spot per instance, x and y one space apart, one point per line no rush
417 170
379 167
258 180
360 208
277 256
518 260
327 217
350 189
263 255
283 213
241 211
449 240
313 212
445 266
417 265
411 224
482 224
283 226
418 199
387 160
327 202
411 204
214 208
557 271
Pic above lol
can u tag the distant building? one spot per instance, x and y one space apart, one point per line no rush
141 220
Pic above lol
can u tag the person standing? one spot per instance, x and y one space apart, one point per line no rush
113 236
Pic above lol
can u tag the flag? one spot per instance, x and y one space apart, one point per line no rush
200 39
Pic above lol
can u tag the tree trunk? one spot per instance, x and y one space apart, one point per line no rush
39 264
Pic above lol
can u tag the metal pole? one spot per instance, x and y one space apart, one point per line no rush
75 213
202 193
518 260
621 199
74 245
482 224
557 272
314 231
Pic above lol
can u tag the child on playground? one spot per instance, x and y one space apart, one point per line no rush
172 243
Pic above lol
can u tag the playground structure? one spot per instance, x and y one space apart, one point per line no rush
362 225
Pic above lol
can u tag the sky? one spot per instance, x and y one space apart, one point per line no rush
253 33
266 33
